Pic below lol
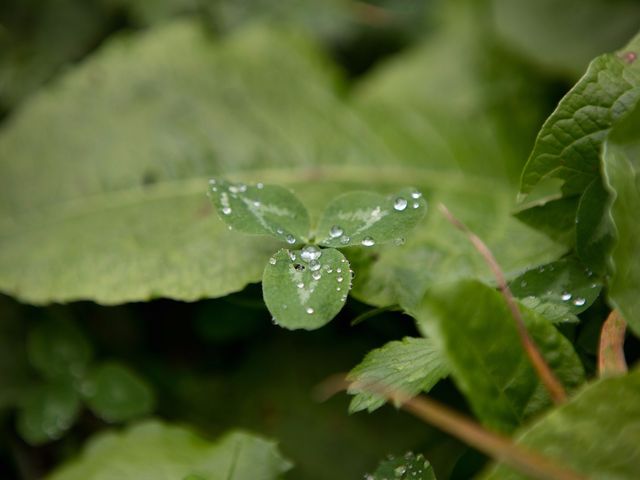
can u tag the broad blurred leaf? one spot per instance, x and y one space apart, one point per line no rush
116 394
58 350
407 467
47 411
163 452
368 219
595 433
564 35
306 288
410 366
478 335
565 282
261 209
621 160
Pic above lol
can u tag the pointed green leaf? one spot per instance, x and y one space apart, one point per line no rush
47 411
621 158
365 218
410 366
157 451
568 145
57 349
593 230
306 288
407 467
261 209
564 282
478 335
552 311
116 394
596 433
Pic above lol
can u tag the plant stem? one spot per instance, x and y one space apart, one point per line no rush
499 447
544 372
611 359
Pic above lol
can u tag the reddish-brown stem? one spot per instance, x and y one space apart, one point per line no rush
493 444
611 359
547 377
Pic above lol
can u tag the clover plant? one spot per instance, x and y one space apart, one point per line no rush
306 284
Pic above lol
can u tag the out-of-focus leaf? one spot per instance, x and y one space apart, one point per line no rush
595 433
564 282
478 336
306 288
407 467
261 209
47 411
621 158
163 452
564 35
116 394
368 219
58 350
568 146
410 366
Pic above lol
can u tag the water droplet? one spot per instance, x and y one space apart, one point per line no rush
338 270
310 253
338 289
259 185
400 204
239 188
212 181
415 195
279 231
344 239
399 471
300 285
226 210
213 189
579 301
310 310
229 227
399 241
329 269
299 267
415 205
339 279
335 231
565 296
368 242
316 275
523 283
314 265
290 239
272 260
257 204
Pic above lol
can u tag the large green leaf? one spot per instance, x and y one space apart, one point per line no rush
410 366
621 158
366 218
479 337
163 452
596 433
306 288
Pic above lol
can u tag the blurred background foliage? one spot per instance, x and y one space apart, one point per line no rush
448 95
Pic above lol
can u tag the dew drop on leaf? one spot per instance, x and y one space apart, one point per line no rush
368 242
316 275
400 204
300 285
314 265
344 239
310 253
416 205
416 195
259 185
310 310
290 239
579 301
566 296
226 210
272 260
335 231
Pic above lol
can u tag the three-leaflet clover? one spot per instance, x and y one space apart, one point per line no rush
306 284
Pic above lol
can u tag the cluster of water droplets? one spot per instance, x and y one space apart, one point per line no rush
409 467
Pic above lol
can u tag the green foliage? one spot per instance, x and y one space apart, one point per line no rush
605 410
116 394
622 173
159 451
410 366
407 467
476 332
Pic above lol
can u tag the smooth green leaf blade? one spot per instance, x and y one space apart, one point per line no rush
621 158
568 145
261 209
593 227
116 394
408 467
596 433
554 312
306 288
58 350
564 282
410 366
367 219
47 411
477 334
163 452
